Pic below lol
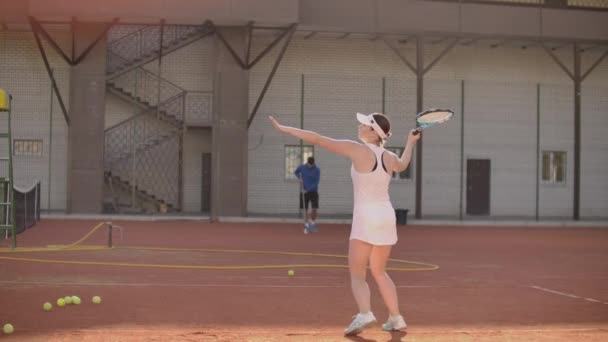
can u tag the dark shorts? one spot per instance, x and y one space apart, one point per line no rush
311 197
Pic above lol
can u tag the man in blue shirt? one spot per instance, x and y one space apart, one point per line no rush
309 175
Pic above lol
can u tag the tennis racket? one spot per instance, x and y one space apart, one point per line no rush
432 117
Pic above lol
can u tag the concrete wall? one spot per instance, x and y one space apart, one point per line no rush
36 115
343 76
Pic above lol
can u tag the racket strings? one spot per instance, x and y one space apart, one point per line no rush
434 117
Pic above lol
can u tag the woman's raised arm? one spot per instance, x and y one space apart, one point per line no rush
347 148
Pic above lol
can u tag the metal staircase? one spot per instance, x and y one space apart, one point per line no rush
142 46
143 154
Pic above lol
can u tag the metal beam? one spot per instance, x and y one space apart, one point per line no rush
419 105
249 39
577 132
310 35
561 65
73 36
271 45
402 57
92 45
160 65
599 60
236 57
443 53
35 28
291 31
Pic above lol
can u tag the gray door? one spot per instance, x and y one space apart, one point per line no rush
206 183
478 186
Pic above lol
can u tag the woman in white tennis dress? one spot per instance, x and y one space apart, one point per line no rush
373 231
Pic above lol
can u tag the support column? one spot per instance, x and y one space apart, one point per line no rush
230 139
86 129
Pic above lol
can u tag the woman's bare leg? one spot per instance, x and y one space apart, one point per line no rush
378 258
358 259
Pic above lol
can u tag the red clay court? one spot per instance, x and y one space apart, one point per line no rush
492 284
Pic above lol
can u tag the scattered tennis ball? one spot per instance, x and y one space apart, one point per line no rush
47 306
75 300
60 302
8 328
96 299
291 273
67 299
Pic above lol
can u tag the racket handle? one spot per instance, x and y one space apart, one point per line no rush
417 131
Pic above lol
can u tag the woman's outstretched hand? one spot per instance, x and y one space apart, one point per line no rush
276 124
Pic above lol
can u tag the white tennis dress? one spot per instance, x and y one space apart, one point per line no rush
374 218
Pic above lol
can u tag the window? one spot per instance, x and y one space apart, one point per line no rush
407 174
296 155
554 167
27 147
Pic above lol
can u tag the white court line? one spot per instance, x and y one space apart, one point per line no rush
421 286
567 294
300 277
163 284
52 283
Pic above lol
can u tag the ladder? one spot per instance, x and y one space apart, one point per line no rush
7 208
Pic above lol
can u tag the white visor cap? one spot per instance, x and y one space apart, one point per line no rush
368 120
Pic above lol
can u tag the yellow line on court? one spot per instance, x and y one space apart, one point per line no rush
76 247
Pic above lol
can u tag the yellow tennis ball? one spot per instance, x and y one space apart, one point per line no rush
8 328
96 299
291 273
47 306
60 302
75 300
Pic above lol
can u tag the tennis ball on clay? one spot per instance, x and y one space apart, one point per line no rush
291 273
47 306
75 300
67 299
60 302
8 328
96 299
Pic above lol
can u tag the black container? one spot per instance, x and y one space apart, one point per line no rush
401 215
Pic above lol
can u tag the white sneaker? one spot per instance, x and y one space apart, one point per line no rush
306 228
360 322
394 323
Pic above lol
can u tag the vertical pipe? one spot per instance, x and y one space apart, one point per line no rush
133 180
301 199
460 214
419 99
109 234
383 95
182 138
537 150
73 29
49 182
11 192
577 132
160 61
302 117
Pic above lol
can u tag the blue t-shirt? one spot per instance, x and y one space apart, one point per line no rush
310 176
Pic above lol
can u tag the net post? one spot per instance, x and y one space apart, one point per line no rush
109 223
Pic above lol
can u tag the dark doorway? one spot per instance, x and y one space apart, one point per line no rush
206 183
478 186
